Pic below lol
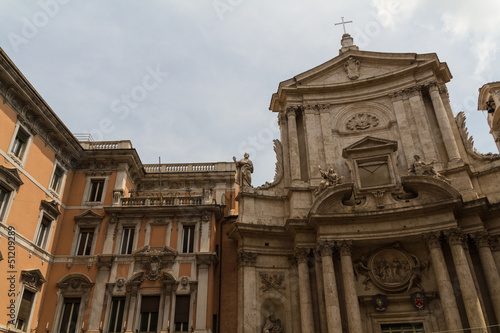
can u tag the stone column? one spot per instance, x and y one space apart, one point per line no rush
446 294
421 122
495 248
293 143
404 127
490 270
166 307
283 123
313 140
469 294
444 124
249 322
294 292
320 290
306 307
333 317
202 295
97 309
351 296
132 305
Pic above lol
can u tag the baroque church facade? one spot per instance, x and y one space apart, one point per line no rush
382 217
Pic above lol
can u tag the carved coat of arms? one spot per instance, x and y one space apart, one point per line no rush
352 68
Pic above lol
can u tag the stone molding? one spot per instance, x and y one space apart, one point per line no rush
33 278
40 120
50 207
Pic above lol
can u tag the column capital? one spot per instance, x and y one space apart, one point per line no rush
301 254
292 110
282 119
433 240
455 237
292 260
246 258
345 247
483 239
325 249
495 243
433 86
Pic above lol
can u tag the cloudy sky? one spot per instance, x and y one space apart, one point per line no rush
191 80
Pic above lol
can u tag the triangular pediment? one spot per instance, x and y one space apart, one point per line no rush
362 72
88 215
370 143
11 176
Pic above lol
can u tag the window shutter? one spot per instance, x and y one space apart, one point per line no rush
182 309
150 303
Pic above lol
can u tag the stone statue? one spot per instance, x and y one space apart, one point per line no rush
421 168
244 170
330 178
273 325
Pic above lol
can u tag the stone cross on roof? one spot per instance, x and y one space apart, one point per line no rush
343 24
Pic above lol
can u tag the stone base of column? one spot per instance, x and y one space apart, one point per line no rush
93 331
202 331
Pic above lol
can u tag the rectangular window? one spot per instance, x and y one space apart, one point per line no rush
127 241
116 316
403 328
182 313
96 188
150 306
188 239
20 143
85 242
57 179
24 311
43 232
69 316
4 200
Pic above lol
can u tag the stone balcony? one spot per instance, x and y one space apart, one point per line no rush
103 145
160 201
189 167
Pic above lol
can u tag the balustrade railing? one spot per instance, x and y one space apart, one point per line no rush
188 167
161 201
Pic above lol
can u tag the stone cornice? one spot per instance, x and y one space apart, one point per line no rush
36 114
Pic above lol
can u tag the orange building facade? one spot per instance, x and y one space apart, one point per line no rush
92 239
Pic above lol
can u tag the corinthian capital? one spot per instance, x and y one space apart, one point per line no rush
246 258
433 240
345 247
455 236
325 249
301 253
483 239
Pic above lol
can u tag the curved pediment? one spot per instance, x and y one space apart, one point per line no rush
416 193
